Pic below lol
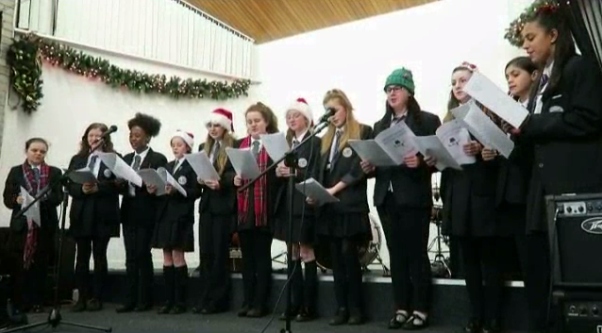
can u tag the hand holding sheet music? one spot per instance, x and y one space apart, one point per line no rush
446 146
202 166
160 178
82 176
120 168
244 162
388 148
311 188
33 213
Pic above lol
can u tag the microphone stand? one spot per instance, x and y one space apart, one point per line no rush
290 160
54 318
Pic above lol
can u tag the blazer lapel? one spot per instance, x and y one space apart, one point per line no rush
145 164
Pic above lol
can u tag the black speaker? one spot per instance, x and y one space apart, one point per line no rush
575 231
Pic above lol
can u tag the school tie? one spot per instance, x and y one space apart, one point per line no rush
92 162
543 81
295 143
255 150
135 167
36 176
335 148
397 120
176 167
214 152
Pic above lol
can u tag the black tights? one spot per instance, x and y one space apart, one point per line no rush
347 272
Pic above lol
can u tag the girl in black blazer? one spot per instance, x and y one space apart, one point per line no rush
94 216
344 225
256 214
404 199
174 232
36 243
138 215
299 120
469 215
217 212
564 129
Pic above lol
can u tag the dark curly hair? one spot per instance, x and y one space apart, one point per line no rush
150 125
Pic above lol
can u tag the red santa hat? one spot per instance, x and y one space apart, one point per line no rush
221 117
471 67
187 137
301 105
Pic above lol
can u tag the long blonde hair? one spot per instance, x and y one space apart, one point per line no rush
222 158
352 126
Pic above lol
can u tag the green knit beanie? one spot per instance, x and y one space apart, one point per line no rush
401 77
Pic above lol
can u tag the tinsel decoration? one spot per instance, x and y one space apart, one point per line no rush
26 54
513 32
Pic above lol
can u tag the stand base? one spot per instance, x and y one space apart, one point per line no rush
284 330
54 320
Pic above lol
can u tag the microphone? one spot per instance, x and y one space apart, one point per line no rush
329 113
110 131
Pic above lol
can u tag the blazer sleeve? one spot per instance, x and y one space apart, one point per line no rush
584 117
55 196
74 189
371 137
313 161
11 190
227 178
192 187
355 173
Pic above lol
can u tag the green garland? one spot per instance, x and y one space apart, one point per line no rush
513 32
26 54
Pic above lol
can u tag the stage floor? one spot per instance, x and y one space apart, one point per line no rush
219 323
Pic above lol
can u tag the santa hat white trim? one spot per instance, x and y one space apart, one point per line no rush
187 137
301 105
217 117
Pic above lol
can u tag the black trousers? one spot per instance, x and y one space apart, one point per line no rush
214 245
97 248
347 273
256 249
407 232
31 283
138 264
483 264
533 251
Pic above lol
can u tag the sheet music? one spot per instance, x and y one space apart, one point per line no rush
170 180
313 189
33 213
389 147
202 166
82 176
487 93
454 135
275 144
483 128
152 178
243 162
432 146
120 168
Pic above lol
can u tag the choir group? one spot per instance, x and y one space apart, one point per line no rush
494 200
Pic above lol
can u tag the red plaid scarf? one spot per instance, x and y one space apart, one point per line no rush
259 188
33 187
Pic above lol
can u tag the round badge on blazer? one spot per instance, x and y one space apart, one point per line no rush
107 173
556 108
182 180
347 152
302 162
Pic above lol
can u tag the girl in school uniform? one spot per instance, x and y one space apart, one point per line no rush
217 211
94 216
138 215
469 215
344 225
564 128
299 120
403 197
35 238
256 214
175 220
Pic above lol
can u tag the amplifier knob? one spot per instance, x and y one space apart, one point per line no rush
572 309
581 209
590 208
595 310
569 210
583 310
599 207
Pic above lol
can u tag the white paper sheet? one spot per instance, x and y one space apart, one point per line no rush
170 180
120 168
275 145
152 178
244 162
82 176
432 146
483 128
33 213
389 147
487 93
454 135
202 166
313 189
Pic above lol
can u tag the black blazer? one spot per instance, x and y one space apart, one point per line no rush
411 186
354 198
95 214
222 201
48 214
140 209
175 206
567 134
307 167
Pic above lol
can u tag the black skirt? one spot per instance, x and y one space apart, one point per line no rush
303 228
351 225
170 234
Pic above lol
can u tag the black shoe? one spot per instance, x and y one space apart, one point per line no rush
492 327
94 305
243 311
125 308
306 315
397 321
143 307
80 306
256 313
416 322
341 317
473 326
37 309
178 309
165 309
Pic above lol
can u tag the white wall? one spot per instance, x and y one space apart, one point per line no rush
357 57
72 102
